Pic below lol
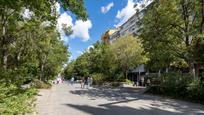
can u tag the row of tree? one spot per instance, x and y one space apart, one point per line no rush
108 59
171 35
30 46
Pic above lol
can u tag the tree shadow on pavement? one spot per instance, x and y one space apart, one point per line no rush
120 95
111 94
124 110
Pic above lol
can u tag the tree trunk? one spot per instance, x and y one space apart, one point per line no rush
5 58
159 73
192 69
41 72
197 71
4 51
126 74
202 12
167 70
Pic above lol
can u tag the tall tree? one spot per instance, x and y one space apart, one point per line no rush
128 52
174 26
29 42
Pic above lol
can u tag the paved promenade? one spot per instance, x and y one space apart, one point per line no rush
64 99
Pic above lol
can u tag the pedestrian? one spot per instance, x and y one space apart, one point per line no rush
72 80
91 81
58 80
62 78
86 82
135 83
142 81
148 82
82 82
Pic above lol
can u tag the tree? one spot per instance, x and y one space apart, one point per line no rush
69 70
97 60
128 52
29 43
174 27
30 47
82 65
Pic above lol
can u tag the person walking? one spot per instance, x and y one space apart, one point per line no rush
86 82
62 79
72 80
58 80
82 82
91 81
148 82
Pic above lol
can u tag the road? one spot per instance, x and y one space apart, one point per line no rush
64 99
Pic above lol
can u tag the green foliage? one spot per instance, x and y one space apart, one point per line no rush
171 32
119 77
178 86
99 59
15 101
196 91
109 59
30 48
41 85
155 80
129 82
98 78
174 84
69 71
128 52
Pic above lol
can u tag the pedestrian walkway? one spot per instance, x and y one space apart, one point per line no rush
64 99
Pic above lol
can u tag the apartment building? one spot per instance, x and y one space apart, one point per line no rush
133 24
106 36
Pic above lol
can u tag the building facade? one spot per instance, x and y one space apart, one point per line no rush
133 24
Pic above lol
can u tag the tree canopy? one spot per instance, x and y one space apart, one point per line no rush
170 30
31 47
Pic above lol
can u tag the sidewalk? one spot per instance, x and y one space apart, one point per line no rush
64 99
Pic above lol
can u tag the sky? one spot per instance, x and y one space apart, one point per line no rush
102 15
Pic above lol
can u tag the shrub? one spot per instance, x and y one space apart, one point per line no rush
196 91
41 85
179 86
98 78
120 77
116 84
175 84
15 101
171 84
127 81
155 80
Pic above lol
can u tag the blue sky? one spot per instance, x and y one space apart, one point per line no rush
103 15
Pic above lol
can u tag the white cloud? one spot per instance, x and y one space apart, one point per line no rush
125 13
80 28
26 13
105 9
64 19
57 5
